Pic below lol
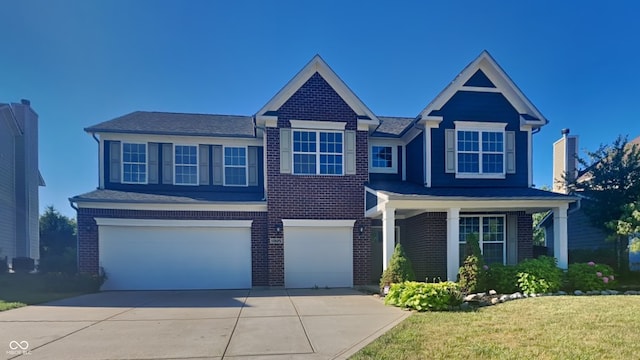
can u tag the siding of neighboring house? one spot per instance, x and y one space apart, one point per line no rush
88 257
7 191
582 234
481 107
317 196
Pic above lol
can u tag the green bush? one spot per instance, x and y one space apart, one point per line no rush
425 296
472 273
589 276
539 275
23 264
62 263
60 282
502 278
603 255
399 269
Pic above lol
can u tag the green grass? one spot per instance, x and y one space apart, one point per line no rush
567 327
18 290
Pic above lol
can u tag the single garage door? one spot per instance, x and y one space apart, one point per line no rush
318 253
175 254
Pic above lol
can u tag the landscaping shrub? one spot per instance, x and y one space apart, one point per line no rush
589 276
59 263
425 296
540 275
502 278
399 269
23 264
60 282
603 255
472 273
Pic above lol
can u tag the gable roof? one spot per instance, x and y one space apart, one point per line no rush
392 126
529 114
165 123
318 65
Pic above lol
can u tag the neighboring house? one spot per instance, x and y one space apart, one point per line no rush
582 235
19 182
315 189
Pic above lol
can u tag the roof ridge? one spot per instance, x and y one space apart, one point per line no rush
186 113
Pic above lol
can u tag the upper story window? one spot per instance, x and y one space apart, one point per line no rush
186 164
235 166
134 163
317 152
384 159
491 235
480 150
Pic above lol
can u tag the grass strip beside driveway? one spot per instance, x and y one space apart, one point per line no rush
564 327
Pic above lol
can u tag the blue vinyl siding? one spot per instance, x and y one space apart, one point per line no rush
415 159
479 79
168 188
481 107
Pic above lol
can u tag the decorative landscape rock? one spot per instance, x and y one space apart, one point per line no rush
578 293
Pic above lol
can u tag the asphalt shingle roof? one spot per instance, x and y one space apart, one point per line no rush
194 197
164 123
407 188
392 126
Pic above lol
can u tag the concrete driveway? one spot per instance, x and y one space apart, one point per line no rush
234 324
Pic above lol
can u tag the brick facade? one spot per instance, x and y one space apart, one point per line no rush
525 236
317 196
424 238
88 257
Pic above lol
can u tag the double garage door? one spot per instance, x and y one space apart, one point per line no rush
175 254
140 254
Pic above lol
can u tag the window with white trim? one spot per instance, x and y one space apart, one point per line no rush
134 163
318 152
490 230
383 158
235 166
480 151
186 164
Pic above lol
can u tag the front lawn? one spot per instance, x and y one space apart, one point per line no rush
18 290
563 327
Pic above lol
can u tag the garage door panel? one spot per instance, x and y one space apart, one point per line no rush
318 256
163 258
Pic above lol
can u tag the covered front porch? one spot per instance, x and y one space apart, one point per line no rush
433 224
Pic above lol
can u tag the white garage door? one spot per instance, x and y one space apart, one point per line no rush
175 254
318 253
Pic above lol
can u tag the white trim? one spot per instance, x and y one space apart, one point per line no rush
146 163
453 243
366 125
181 139
318 125
267 120
394 159
530 156
317 64
388 235
197 165
173 223
101 164
404 162
248 207
317 223
427 156
480 89
246 166
502 83
480 125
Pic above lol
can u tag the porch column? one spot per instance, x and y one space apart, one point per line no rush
453 243
388 235
560 236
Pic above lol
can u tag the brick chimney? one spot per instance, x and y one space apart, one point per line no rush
565 161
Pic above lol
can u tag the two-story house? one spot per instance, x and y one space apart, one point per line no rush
20 180
315 189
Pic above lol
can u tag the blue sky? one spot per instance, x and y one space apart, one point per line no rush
84 62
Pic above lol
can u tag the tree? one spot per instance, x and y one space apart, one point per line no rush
57 242
399 269
611 184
